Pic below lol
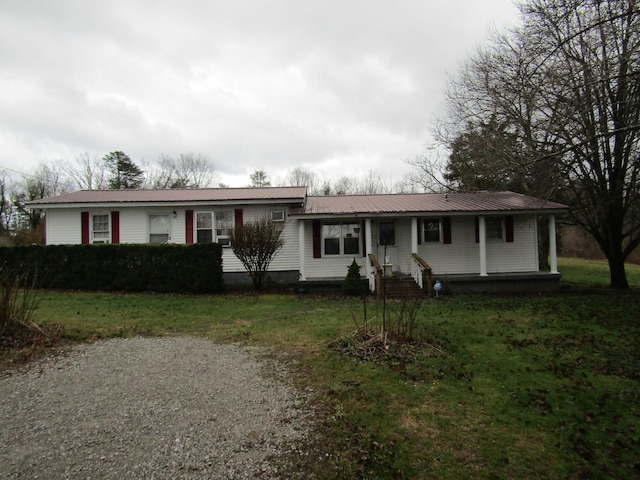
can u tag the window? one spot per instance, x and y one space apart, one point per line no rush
204 227
159 228
431 229
100 228
493 226
224 224
277 216
341 238
387 233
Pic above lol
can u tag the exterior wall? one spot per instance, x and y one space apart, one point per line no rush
463 254
64 227
332 266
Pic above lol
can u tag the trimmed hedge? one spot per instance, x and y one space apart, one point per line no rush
193 268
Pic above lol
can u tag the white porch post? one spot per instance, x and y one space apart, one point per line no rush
482 234
553 254
368 245
301 249
414 235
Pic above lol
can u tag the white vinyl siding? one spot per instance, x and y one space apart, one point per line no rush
463 254
285 259
63 227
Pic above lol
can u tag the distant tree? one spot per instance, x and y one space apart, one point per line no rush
300 177
47 180
256 244
124 173
6 207
187 170
259 179
87 172
344 186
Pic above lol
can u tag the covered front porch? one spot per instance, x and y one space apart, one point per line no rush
464 254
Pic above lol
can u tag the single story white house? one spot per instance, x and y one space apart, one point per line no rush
471 240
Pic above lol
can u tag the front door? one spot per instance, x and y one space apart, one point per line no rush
387 246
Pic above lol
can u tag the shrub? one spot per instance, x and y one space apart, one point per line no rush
353 284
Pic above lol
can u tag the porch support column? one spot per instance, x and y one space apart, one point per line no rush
368 245
414 235
553 254
482 239
301 250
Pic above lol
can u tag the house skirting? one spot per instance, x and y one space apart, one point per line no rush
528 282
282 278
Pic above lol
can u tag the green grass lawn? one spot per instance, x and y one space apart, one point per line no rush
499 386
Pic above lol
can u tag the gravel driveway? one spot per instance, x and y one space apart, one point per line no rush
177 407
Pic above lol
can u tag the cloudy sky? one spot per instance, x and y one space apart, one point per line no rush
337 87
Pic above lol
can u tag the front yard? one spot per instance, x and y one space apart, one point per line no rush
536 386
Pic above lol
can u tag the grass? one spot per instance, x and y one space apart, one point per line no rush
498 386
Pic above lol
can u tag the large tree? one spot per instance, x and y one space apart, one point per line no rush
124 174
565 88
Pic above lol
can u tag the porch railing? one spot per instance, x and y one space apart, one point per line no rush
421 272
378 272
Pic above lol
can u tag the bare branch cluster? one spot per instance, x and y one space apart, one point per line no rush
256 244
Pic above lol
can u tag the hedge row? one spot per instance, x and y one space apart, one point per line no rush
193 268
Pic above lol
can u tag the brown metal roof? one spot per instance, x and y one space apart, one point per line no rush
426 202
293 194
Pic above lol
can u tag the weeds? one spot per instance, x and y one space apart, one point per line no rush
18 302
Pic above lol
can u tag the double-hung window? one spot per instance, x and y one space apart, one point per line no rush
224 224
341 238
204 227
431 230
100 232
159 228
494 227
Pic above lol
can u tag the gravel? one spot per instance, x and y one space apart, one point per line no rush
151 407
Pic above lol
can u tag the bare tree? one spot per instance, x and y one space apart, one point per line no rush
87 172
300 177
256 244
47 180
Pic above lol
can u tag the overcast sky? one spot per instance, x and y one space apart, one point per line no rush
336 87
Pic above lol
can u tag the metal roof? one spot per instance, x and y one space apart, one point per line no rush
385 204
175 195
427 203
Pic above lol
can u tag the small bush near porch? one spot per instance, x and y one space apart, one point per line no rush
499 386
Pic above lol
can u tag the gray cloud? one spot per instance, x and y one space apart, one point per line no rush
338 87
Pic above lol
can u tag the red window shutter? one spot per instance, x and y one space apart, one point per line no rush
115 227
84 220
238 217
419 232
188 221
317 239
446 230
477 230
508 228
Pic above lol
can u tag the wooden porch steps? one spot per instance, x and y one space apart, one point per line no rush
400 286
